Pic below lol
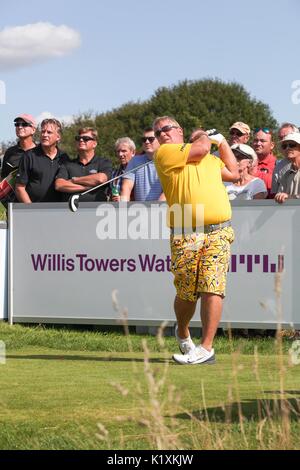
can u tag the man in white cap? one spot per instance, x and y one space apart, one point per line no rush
289 187
25 125
239 133
283 165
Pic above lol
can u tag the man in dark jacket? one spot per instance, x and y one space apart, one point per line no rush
39 166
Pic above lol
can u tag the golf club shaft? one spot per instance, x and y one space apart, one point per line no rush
115 178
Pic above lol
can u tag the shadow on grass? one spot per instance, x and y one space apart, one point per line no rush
54 357
251 410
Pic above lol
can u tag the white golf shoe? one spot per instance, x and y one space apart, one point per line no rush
198 355
185 345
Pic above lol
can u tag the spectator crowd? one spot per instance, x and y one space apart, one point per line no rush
37 170
41 172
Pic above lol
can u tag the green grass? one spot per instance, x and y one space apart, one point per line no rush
68 389
72 339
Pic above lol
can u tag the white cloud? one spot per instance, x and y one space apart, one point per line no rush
66 120
33 43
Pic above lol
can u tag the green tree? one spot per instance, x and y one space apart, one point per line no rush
209 103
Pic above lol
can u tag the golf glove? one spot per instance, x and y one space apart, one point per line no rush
215 137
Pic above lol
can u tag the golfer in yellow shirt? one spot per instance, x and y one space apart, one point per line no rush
201 232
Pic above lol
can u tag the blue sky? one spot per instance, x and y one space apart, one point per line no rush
114 51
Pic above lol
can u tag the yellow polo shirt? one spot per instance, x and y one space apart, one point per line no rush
192 184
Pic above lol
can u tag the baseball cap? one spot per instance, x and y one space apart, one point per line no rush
245 150
241 126
294 137
27 118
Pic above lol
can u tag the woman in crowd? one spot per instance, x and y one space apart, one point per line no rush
248 186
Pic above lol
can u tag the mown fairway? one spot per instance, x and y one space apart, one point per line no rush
65 389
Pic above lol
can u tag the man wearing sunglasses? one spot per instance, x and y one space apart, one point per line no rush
86 171
239 133
289 187
192 179
25 126
39 166
263 145
144 183
283 165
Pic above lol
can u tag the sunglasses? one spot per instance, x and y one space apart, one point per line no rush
85 138
266 130
151 139
164 129
288 145
235 132
22 124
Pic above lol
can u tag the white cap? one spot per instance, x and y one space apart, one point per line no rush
294 137
245 150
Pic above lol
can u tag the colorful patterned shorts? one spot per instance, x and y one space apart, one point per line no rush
200 262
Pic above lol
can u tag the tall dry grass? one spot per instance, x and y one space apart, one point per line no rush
160 405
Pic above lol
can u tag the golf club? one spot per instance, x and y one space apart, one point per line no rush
74 199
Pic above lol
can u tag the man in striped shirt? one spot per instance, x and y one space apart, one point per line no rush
144 183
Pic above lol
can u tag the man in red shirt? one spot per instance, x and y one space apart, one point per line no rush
263 146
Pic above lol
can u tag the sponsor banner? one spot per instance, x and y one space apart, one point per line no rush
70 267
3 271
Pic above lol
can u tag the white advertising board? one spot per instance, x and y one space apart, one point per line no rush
65 267
3 271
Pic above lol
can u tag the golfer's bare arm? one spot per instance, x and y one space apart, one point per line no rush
200 147
90 180
22 194
230 172
127 187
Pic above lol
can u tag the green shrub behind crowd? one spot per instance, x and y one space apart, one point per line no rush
210 103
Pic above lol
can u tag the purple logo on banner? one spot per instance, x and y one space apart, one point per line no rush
262 260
